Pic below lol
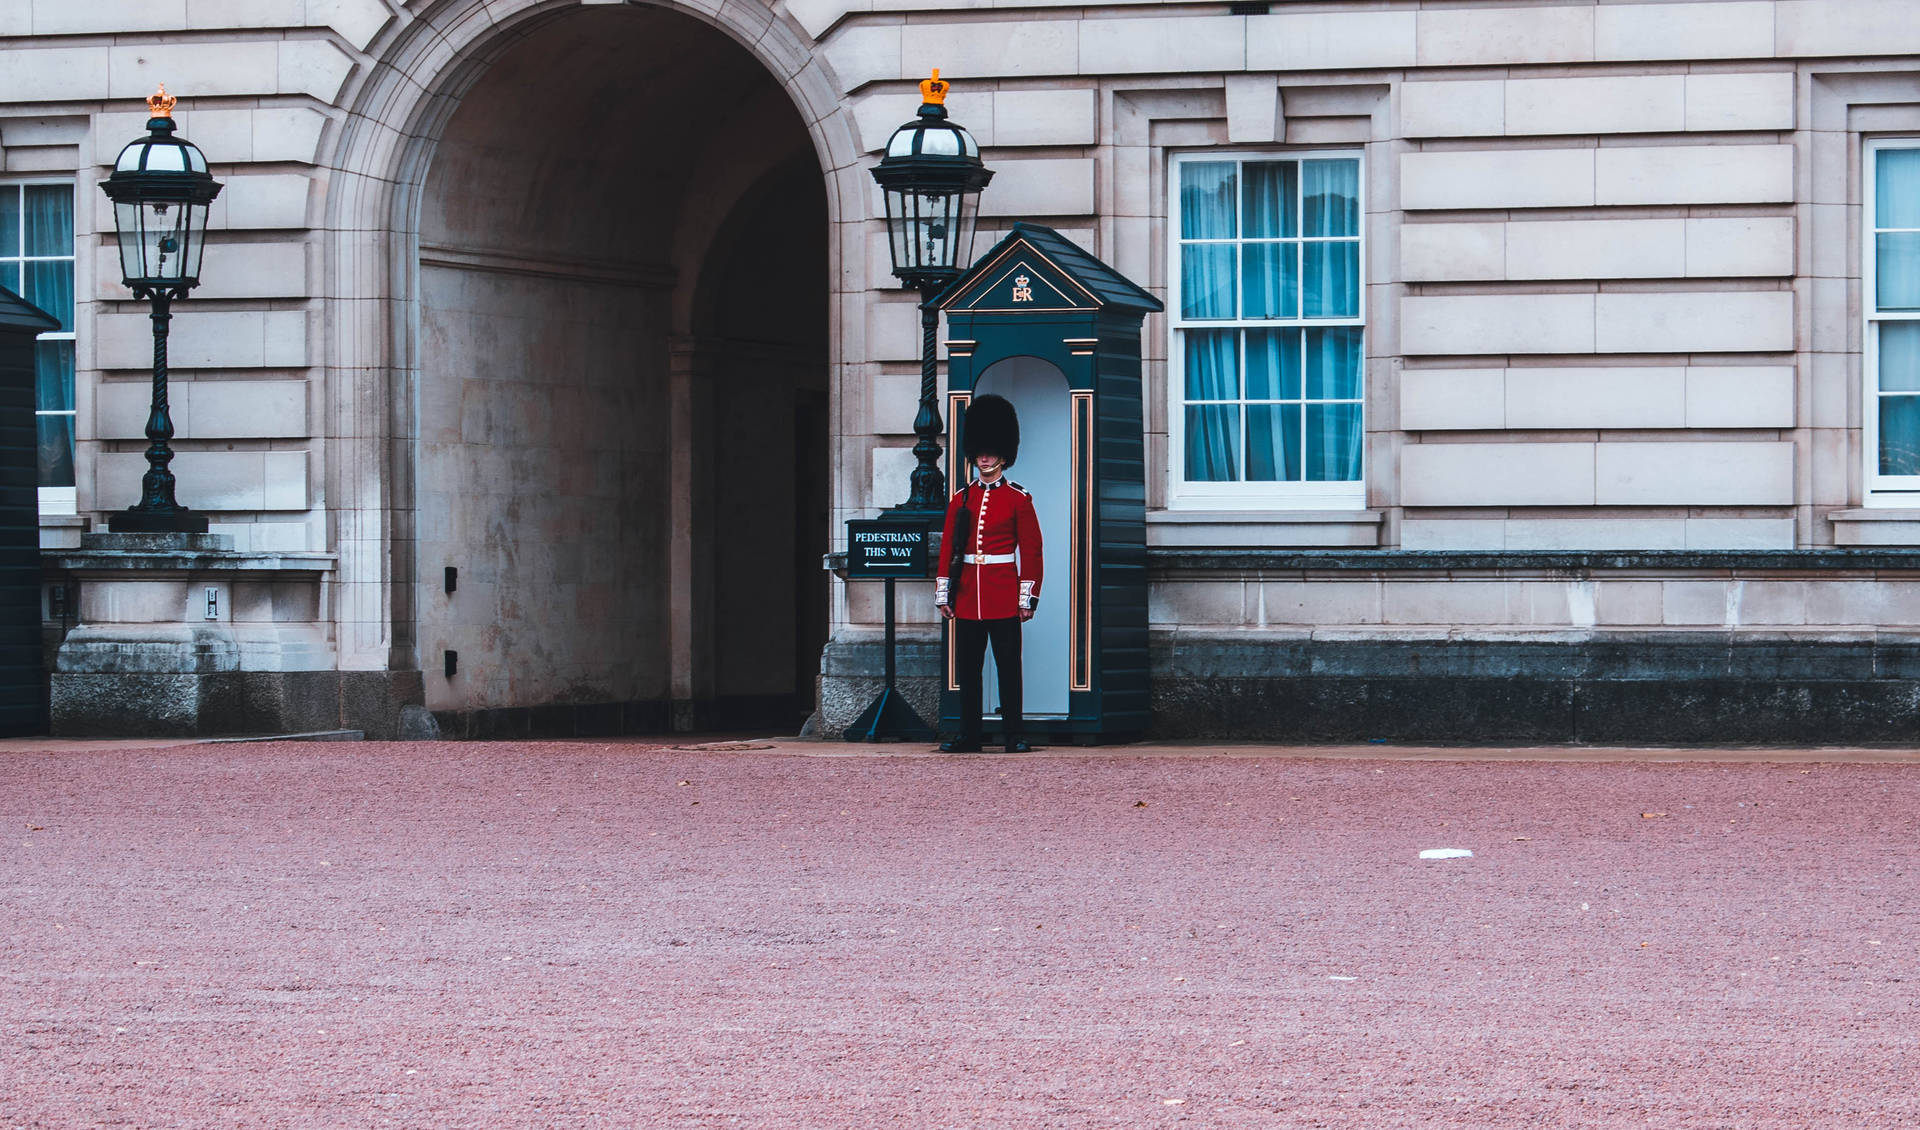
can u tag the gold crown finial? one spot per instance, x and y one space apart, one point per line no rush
933 91
161 103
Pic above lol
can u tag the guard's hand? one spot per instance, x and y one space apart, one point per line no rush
1026 614
946 613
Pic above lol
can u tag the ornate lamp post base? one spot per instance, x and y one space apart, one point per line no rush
181 521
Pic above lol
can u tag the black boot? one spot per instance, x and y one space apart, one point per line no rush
960 745
1017 745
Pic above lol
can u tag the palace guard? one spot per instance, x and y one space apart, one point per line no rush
989 581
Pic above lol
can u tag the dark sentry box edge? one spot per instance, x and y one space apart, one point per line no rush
875 545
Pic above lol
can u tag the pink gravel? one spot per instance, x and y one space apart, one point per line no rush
522 935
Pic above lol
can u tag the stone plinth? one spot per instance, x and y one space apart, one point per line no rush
179 634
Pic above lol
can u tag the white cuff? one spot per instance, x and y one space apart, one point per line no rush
1027 596
940 597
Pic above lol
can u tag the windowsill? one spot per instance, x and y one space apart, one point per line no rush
1194 529
1876 525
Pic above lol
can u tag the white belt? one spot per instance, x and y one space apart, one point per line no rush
988 558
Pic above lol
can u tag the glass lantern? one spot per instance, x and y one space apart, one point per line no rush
931 177
161 192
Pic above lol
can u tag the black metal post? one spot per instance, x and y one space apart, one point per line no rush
157 511
929 483
889 717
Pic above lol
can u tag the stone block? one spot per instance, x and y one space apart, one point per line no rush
284 480
1457 602
1482 324
57 74
1693 474
871 53
1331 40
277 200
192 71
1043 187
1452 399
210 480
1693 604
891 477
1197 602
1453 252
222 15
1321 603
1747 246
1042 117
1596 249
893 400
1694 322
313 66
287 134
1626 603
1525 178
1173 45
204 339
1452 533
1497 474
1594 533
992 49
1614 104
1492 36
238 270
893 331
1739 533
1596 397
1740 102
357 20
1460 108
1740 396
1694 174
1253 109
1845 27
1734 29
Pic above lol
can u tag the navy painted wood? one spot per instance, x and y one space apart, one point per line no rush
1037 294
23 693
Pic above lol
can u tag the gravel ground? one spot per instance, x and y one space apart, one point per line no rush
532 935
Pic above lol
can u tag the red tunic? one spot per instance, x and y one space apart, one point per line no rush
1002 525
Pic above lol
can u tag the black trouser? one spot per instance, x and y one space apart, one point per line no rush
970 644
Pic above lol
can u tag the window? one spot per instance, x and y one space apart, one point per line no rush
36 262
1892 304
1268 357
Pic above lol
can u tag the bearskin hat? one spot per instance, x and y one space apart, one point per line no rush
992 428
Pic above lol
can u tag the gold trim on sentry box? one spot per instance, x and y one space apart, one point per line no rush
1080 346
1080 582
960 348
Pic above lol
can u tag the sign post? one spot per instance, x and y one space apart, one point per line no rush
888 549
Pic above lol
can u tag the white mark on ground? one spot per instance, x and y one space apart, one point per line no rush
1446 853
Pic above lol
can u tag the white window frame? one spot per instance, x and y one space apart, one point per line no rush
55 501
1881 490
1182 494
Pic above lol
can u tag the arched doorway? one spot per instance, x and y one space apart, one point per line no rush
620 388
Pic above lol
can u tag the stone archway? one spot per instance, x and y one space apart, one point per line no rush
582 340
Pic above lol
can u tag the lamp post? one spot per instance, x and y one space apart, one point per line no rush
931 176
161 192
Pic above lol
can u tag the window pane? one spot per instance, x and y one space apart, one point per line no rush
10 276
1270 207
9 220
1333 443
50 287
1896 188
1900 435
1213 365
1273 443
1270 280
1213 443
49 219
1332 191
56 450
1333 363
1897 267
1333 280
1273 364
1900 356
1206 280
1207 200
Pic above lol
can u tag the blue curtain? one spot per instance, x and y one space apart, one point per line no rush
1333 430
1270 210
1332 197
1270 280
53 392
1896 188
1213 430
1207 202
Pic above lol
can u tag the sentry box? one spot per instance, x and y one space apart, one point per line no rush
1043 323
